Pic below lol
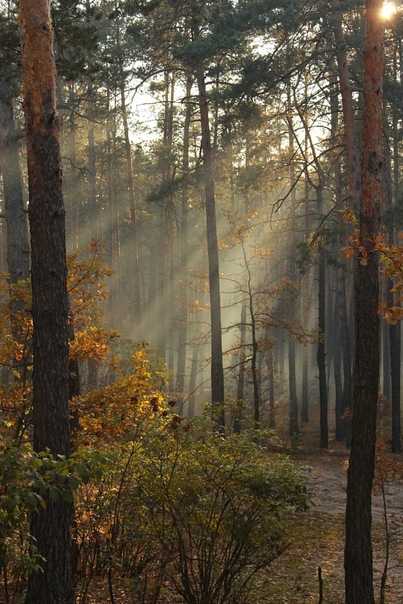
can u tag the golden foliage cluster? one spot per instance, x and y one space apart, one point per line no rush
124 389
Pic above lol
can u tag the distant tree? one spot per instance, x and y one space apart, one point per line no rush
14 211
293 415
50 527
358 548
317 179
352 152
184 243
17 230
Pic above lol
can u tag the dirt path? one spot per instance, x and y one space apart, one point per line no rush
328 482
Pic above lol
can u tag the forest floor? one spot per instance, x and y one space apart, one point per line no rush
315 538
320 543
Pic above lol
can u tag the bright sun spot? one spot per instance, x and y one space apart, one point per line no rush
388 10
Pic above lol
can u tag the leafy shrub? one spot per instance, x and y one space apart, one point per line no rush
27 481
202 512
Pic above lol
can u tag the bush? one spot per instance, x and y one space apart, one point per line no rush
202 512
27 481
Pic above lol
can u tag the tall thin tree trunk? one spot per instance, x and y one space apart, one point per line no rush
395 329
50 527
346 344
386 360
321 352
92 185
358 547
240 392
217 369
338 385
193 381
292 380
271 382
305 314
134 256
255 346
183 246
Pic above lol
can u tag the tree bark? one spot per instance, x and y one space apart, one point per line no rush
183 245
292 379
321 352
193 381
358 548
305 314
395 352
51 526
135 273
217 370
240 393
338 383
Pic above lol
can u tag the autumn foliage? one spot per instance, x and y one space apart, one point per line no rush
391 264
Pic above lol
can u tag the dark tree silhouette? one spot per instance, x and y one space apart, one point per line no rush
50 527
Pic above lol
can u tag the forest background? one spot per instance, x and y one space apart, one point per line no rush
211 183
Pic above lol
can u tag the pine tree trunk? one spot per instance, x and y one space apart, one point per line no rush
394 330
346 344
305 314
385 344
240 392
292 379
193 381
321 353
51 526
183 246
338 383
270 364
217 370
92 185
358 547
134 257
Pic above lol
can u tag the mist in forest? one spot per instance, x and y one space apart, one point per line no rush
134 154
260 239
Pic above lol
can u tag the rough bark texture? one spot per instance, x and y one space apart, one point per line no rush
358 548
50 527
